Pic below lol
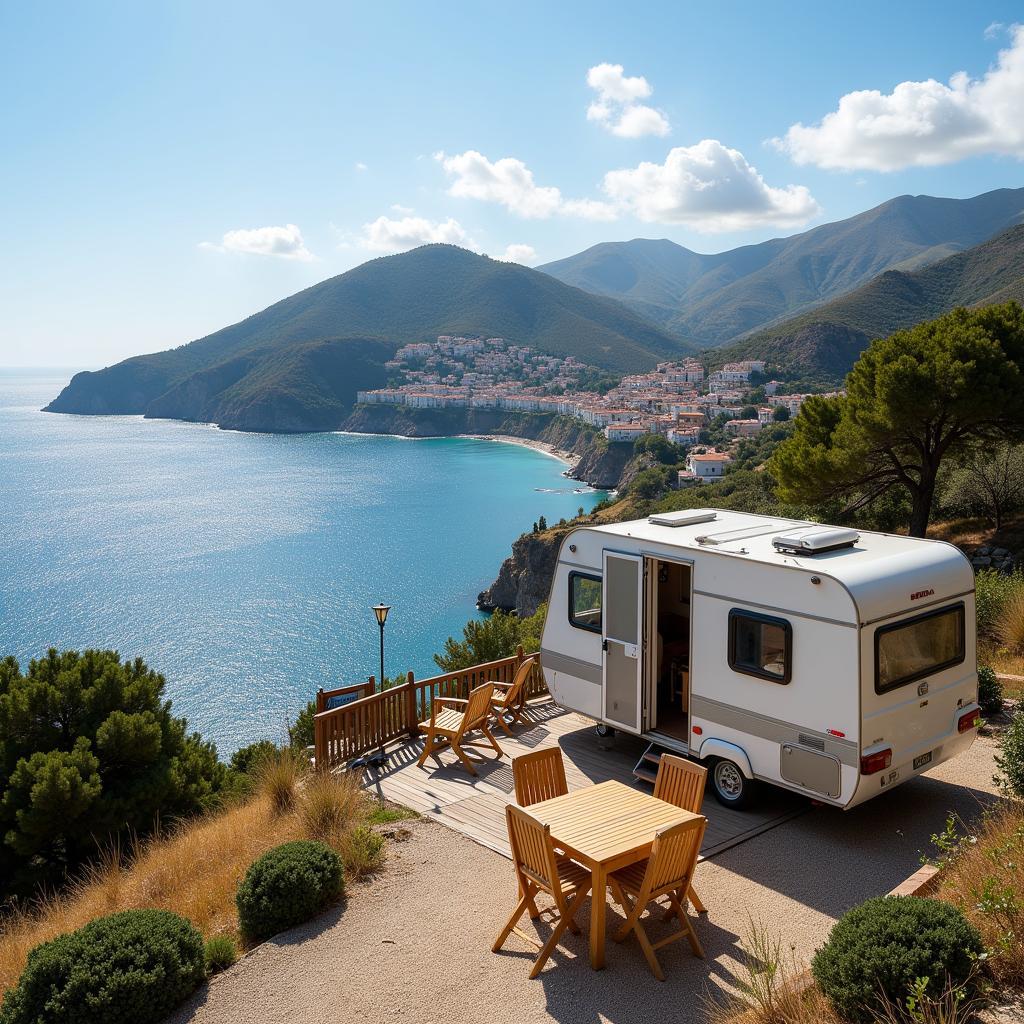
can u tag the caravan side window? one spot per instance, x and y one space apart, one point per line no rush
585 601
760 645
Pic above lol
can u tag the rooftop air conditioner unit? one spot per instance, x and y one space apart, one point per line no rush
687 517
815 540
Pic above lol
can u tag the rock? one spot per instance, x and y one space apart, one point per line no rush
524 579
999 552
984 550
981 561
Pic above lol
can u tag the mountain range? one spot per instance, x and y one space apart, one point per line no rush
712 299
810 303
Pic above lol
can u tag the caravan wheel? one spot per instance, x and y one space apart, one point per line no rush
731 787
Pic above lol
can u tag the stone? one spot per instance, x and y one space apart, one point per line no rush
981 561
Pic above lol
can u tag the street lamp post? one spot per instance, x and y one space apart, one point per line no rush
378 758
381 611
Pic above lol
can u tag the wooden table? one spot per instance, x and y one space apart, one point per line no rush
606 827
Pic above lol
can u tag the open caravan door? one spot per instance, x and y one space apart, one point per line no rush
622 639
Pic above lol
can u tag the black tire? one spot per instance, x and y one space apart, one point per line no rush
731 787
604 731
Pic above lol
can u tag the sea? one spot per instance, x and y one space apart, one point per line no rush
244 566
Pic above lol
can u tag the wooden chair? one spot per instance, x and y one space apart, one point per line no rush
681 782
448 726
539 869
509 698
539 775
667 872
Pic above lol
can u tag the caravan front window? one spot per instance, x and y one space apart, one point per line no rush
760 645
585 601
918 647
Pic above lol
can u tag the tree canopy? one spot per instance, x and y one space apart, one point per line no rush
89 751
912 400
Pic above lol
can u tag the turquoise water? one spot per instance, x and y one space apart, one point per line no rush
243 566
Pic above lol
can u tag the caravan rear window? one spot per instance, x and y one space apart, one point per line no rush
760 645
585 601
917 647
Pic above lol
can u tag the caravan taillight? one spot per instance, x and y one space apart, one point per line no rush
872 763
968 721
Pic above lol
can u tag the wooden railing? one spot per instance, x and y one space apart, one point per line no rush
363 719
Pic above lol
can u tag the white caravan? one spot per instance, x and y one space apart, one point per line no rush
834 663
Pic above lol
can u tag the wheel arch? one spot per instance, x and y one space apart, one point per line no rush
712 747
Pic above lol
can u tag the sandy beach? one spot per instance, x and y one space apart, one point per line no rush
571 459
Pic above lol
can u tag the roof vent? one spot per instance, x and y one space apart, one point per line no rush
815 540
687 517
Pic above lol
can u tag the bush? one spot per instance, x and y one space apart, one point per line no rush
489 639
1009 627
220 953
1010 759
990 691
881 949
132 967
248 760
363 851
992 589
287 886
279 777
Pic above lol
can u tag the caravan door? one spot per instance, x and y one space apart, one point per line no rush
622 639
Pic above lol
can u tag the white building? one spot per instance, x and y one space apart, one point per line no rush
624 431
709 466
743 428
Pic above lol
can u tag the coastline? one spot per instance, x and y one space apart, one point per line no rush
570 459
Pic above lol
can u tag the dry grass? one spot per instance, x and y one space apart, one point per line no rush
984 877
195 869
774 988
1009 627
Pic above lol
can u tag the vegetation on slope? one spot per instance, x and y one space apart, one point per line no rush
299 362
828 339
712 299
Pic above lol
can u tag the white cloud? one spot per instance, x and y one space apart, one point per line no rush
404 210
386 234
518 252
509 181
921 124
994 29
360 166
617 107
708 187
282 241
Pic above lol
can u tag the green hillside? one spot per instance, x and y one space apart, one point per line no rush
712 299
297 364
827 340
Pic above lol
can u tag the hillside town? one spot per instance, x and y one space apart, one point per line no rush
676 400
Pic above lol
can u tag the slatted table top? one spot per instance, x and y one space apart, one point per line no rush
607 823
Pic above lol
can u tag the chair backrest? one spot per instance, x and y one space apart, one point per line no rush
539 775
511 695
478 707
680 782
532 852
674 856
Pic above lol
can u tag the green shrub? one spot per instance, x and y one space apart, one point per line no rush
1010 759
132 967
990 692
248 760
220 953
363 851
992 589
287 886
885 946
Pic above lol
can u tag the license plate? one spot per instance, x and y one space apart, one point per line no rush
922 760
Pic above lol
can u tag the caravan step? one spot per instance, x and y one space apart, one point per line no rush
650 760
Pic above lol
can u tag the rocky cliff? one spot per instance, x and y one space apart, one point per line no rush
525 578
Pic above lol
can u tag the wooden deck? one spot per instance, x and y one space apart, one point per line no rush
476 806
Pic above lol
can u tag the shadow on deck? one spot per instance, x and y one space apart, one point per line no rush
476 806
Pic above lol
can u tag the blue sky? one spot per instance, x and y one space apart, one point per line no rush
168 169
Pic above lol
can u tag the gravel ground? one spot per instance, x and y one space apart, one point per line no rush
415 942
